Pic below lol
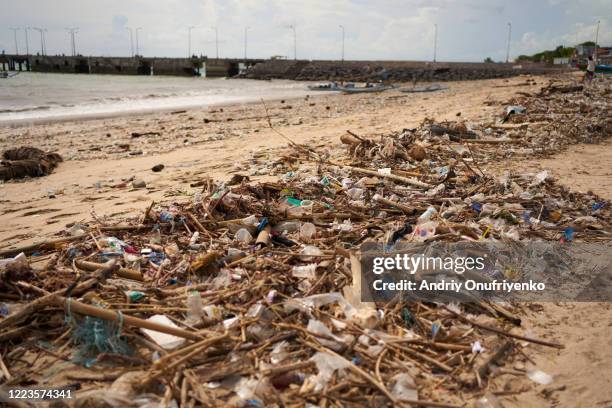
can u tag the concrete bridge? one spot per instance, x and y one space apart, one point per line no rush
196 66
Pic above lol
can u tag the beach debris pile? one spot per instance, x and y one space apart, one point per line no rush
26 161
247 293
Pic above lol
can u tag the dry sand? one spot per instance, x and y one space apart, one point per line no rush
192 150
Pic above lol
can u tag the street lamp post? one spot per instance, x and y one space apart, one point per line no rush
189 40
246 29
597 37
342 27
292 27
131 40
72 32
14 30
137 44
508 47
216 41
42 39
27 41
435 42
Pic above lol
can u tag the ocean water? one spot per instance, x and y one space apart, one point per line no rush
30 97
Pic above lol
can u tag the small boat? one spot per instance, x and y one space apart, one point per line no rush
430 88
603 68
5 74
364 89
324 87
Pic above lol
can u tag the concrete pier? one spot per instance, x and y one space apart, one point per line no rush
196 66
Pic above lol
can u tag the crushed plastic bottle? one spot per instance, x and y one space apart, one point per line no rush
355 193
197 199
243 235
307 231
488 401
346 183
540 178
310 252
213 312
426 216
286 226
251 220
327 364
425 230
345 226
304 271
405 387
279 352
539 377
194 238
194 304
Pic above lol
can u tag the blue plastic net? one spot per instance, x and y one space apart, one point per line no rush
95 336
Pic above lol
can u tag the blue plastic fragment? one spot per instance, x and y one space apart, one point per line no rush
435 328
476 206
262 224
569 234
166 217
526 217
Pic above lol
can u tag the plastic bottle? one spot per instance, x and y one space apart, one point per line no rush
305 271
309 252
355 193
250 220
197 199
425 230
304 208
194 304
426 216
244 236
287 226
307 231
194 238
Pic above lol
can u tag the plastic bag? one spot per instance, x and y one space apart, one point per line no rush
327 365
404 387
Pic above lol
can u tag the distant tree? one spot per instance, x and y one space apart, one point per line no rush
549 55
588 43
488 60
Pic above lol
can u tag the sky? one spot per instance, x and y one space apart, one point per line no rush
468 30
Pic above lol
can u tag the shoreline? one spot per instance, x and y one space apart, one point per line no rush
144 112
223 92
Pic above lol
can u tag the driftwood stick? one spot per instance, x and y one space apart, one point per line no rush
505 333
29 248
198 224
484 368
121 272
45 301
106 314
394 204
350 140
194 349
393 177
5 370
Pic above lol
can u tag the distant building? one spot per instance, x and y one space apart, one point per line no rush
604 55
585 50
561 61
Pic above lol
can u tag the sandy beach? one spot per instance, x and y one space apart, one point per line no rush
103 156
100 154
